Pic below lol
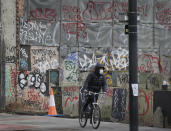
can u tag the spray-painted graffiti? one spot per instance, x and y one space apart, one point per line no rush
38 32
163 13
119 103
25 58
23 64
153 81
23 53
32 80
150 63
109 92
147 99
72 13
10 59
116 60
103 10
10 54
77 29
97 11
10 81
32 99
108 76
75 98
45 58
13 78
33 95
22 79
121 6
70 95
123 78
46 14
145 102
165 70
31 105
71 68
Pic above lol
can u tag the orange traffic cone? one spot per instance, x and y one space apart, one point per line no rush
52 107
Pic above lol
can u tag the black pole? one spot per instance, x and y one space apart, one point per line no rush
133 65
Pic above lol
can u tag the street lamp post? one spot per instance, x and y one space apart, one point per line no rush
133 65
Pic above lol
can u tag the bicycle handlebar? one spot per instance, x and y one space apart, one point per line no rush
90 92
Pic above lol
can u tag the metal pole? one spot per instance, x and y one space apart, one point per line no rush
133 65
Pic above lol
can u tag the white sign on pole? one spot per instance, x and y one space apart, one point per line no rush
135 89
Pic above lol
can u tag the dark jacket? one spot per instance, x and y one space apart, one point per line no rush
95 81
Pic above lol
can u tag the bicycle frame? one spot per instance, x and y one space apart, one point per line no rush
94 94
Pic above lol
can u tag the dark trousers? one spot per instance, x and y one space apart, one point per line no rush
89 101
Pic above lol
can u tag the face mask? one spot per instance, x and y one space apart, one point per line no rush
101 71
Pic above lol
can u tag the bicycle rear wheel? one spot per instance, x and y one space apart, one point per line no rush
96 116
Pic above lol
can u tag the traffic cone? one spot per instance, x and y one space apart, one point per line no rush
52 107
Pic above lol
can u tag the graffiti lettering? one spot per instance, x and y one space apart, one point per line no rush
23 53
44 59
44 52
35 32
145 104
10 59
97 11
72 13
71 89
34 97
163 14
31 105
116 60
147 63
150 63
10 77
40 13
13 77
43 66
78 29
123 78
75 98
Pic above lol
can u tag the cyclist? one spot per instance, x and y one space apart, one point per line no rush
94 82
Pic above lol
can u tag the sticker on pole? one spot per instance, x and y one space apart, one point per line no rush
135 89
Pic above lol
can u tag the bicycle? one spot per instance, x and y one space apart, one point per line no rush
93 111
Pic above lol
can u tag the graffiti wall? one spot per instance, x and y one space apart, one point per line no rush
70 37
33 80
70 100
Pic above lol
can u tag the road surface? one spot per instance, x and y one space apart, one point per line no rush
15 122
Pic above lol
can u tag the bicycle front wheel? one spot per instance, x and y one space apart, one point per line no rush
96 116
82 119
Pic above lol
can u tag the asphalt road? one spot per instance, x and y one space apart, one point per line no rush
15 122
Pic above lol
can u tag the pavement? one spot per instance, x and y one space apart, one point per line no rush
18 122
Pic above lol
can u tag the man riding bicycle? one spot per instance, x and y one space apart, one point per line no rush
95 81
